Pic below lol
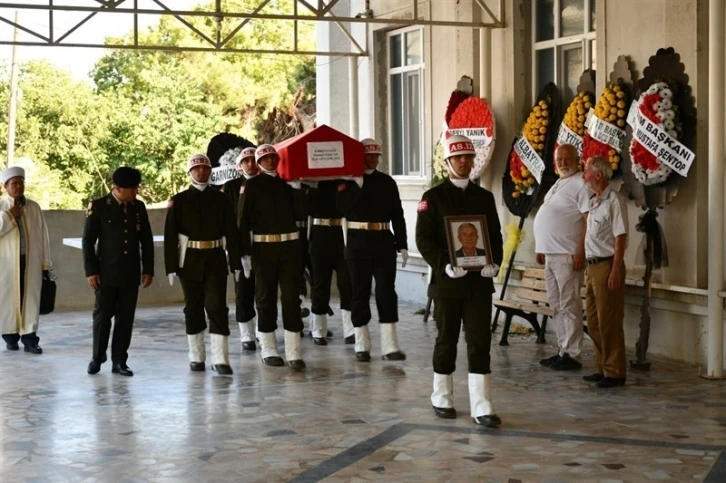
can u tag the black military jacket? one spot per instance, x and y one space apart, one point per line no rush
377 201
234 188
322 204
448 200
202 216
119 235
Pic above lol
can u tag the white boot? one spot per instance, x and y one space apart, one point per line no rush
320 329
293 350
362 344
269 353
442 399
348 328
197 351
480 401
389 343
247 334
220 354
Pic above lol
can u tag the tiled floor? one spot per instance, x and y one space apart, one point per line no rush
341 420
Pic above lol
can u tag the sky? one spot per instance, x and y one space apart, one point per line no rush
78 61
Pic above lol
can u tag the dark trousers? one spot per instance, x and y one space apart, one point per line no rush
118 303
208 294
362 273
306 263
30 339
323 265
476 315
244 297
278 265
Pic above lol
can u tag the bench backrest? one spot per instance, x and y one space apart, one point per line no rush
533 287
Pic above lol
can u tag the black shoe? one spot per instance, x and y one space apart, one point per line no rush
249 346
320 341
13 346
222 369
275 361
594 377
350 339
489 421
606 382
122 369
94 367
33 349
305 312
328 334
445 413
549 361
566 363
395 356
363 356
297 364
197 366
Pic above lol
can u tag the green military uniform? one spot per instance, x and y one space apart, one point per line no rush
468 298
203 216
119 229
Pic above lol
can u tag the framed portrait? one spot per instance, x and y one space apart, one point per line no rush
468 239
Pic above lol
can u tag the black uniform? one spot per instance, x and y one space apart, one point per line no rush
372 254
468 298
119 230
327 249
244 289
202 216
271 207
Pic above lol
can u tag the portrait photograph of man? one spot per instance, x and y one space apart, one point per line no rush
467 243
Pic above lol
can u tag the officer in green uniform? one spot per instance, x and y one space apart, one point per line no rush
460 295
120 225
371 208
199 224
244 288
271 248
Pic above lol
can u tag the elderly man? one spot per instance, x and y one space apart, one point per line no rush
468 237
605 243
462 297
24 256
559 233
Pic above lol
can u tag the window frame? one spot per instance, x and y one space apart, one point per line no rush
420 69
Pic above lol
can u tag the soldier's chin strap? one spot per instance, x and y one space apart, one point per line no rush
199 186
369 171
269 173
249 176
458 182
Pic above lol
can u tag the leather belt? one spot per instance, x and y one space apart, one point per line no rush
596 260
301 224
204 245
280 237
328 221
369 225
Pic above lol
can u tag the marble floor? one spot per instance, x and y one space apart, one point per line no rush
341 420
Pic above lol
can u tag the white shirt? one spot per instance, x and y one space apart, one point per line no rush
559 222
607 220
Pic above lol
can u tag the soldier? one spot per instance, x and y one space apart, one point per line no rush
271 248
244 289
327 254
460 296
199 223
120 224
371 206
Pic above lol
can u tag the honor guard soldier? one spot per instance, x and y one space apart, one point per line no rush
199 223
244 288
119 223
460 295
371 208
327 254
271 248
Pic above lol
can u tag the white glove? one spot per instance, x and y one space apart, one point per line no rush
296 185
490 271
247 265
454 272
311 183
404 257
358 180
171 279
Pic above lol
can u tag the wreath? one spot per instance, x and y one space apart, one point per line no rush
572 130
611 108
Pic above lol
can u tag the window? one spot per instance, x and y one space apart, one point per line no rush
564 43
406 106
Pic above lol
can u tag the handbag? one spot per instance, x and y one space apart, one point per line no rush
47 293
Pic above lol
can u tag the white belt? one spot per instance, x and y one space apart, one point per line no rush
204 245
369 225
328 221
280 237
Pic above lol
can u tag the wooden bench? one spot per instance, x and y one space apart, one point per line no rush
531 302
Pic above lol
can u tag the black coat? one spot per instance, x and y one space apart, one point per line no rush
117 258
448 200
322 204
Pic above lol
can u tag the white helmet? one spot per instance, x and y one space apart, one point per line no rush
456 145
198 160
246 153
264 150
371 146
